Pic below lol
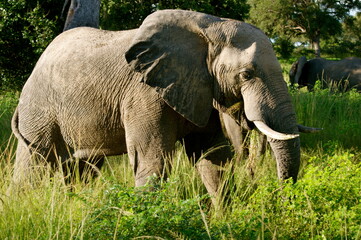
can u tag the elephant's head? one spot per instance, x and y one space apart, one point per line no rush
296 70
197 62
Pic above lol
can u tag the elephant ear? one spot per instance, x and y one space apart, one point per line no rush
296 69
170 50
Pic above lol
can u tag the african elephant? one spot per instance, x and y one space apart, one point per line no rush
343 74
100 93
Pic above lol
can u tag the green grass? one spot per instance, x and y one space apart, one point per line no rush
339 114
8 103
324 204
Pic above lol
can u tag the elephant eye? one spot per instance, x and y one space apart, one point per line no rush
247 74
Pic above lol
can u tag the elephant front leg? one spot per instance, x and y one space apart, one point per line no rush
149 145
210 175
209 165
146 164
211 171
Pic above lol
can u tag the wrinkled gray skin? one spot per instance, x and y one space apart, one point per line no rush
98 92
306 73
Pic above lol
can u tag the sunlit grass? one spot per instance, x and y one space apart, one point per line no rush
8 103
337 113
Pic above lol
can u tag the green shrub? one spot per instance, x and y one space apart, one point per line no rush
125 213
26 28
8 103
324 204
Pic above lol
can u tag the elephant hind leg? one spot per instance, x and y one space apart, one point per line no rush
31 164
22 166
54 151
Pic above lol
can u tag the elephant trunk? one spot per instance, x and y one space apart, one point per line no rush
286 151
287 155
278 118
287 147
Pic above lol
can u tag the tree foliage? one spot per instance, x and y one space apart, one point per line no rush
26 28
350 39
123 14
352 28
311 20
128 14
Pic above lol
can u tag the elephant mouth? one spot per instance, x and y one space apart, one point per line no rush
249 125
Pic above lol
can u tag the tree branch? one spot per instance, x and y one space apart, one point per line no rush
301 29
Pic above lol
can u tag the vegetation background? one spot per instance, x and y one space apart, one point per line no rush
28 26
324 204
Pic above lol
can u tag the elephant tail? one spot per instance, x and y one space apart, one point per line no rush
15 128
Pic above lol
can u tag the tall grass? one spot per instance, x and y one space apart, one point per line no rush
324 204
8 102
339 114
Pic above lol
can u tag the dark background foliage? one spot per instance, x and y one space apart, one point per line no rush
28 26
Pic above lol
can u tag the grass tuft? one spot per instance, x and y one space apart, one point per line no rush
337 113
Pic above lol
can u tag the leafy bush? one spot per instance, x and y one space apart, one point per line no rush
126 213
284 47
26 28
8 102
324 204
128 14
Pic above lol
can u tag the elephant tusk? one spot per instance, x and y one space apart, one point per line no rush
305 129
266 130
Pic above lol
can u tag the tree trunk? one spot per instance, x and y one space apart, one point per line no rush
82 13
316 46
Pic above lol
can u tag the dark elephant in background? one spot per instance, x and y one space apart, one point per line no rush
342 74
96 93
